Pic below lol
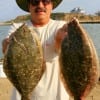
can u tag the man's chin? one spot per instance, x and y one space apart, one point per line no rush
41 17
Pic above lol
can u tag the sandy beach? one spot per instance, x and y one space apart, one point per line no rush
6 89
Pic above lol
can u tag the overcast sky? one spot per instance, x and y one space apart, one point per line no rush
9 9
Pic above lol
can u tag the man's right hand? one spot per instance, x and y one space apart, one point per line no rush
61 33
5 44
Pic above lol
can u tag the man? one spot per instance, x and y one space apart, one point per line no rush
50 86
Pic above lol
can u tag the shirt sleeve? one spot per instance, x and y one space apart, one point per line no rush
13 28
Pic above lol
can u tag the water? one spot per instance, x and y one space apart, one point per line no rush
92 29
94 32
3 33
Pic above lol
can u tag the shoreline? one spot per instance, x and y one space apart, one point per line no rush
83 22
83 18
90 22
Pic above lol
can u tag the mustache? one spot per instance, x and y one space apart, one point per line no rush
38 9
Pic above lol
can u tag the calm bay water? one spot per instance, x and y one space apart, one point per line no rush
3 33
92 29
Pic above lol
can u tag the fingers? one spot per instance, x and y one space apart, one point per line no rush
5 43
11 36
61 34
64 28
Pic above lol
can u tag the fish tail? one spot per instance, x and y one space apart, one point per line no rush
25 97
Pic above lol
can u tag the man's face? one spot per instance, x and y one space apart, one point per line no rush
40 9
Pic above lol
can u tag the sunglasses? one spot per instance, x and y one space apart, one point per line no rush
36 2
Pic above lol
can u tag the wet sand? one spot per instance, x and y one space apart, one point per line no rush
6 89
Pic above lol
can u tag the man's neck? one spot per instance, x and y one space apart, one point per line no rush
39 23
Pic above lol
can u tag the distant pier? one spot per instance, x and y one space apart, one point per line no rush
3 24
90 22
81 21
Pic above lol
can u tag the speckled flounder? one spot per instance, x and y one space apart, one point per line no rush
23 62
78 61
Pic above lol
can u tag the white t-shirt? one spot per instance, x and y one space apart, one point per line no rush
50 86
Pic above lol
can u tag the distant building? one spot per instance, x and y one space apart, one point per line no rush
77 10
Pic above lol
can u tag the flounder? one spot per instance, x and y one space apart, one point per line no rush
79 62
23 61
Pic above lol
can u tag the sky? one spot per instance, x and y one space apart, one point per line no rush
9 9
